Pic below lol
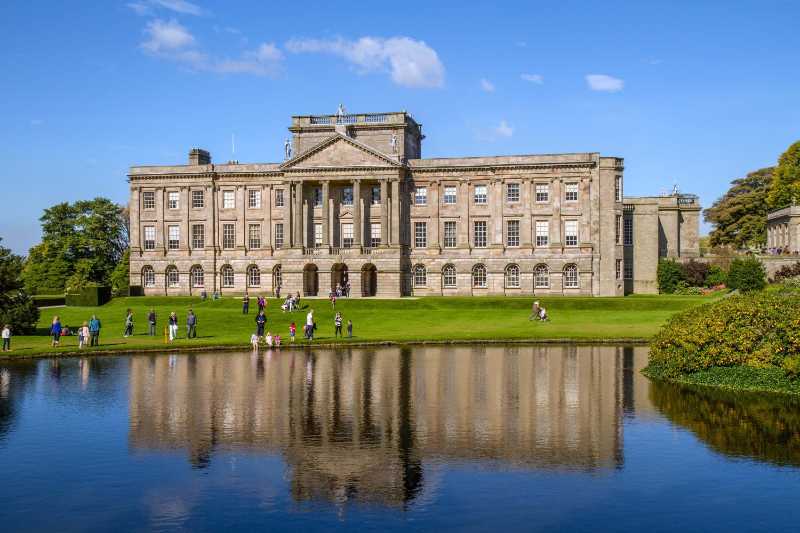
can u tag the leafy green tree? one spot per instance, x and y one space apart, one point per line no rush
785 188
740 216
747 274
81 243
120 278
670 276
16 306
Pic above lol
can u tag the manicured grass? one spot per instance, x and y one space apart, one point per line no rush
737 378
221 323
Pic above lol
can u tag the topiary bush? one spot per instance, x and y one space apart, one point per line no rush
759 329
669 275
747 274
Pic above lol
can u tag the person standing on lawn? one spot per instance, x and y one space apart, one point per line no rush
55 331
261 321
173 326
245 303
128 323
349 329
292 330
337 323
191 325
151 321
94 331
261 304
6 338
310 325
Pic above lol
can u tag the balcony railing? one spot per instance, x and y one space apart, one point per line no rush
368 118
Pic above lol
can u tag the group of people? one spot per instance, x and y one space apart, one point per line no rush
172 324
291 303
309 328
87 333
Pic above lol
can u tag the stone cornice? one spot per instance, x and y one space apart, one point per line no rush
504 167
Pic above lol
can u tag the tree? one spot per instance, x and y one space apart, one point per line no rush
81 243
120 278
747 274
740 216
785 188
16 306
670 275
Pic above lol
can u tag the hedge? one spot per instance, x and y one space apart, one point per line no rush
90 296
48 300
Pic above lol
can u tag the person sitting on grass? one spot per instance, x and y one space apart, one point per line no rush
534 311
55 331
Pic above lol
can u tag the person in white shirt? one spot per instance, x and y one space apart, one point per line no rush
269 339
310 325
6 338
254 341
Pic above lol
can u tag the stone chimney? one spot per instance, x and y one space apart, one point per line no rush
198 156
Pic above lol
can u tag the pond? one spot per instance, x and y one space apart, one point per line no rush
427 438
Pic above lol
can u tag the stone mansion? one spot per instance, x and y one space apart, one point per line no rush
354 203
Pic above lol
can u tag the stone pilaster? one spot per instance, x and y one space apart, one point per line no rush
357 220
384 213
326 193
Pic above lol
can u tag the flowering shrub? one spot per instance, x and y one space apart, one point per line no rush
787 272
759 329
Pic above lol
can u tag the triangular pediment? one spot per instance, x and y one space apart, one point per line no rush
340 151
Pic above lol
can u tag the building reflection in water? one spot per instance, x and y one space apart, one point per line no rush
361 424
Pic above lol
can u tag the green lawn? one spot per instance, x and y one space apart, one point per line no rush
221 323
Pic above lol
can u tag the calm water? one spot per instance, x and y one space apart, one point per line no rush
444 438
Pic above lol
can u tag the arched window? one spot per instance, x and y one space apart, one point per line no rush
541 277
277 278
479 276
512 277
253 276
227 277
148 276
197 276
571 277
449 276
420 276
173 278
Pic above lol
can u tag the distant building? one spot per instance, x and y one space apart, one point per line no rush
354 203
783 230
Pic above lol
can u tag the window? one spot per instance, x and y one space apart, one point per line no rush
198 236
375 234
542 192
347 235
512 233
619 269
198 199
376 195
148 200
479 276
254 236
277 277
228 199
450 234
421 196
253 276
541 277
420 276
317 197
449 276
174 241
278 235
149 238
254 199
420 234
542 232
347 195
479 233
571 192
627 232
450 194
628 268
278 197
618 230
228 235
197 276
571 233
512 192
480 194
317 235
227 277
148 277
173 200
173 278
570 277
618 188
512 277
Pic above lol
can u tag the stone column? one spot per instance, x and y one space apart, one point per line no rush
266 229
161 225
497 202
435 205
464 227
186 237
384 213
357 224
396 213
326 192
297 215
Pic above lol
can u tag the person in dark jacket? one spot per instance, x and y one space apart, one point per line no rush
55 331
246 304
151 321
261 321
191 325
172 322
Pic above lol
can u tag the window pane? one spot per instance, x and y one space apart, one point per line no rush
173 200
228 200
198 236
228 235
541 277
278 235
375 234
254 199
317 235
571 192
198 199
449 194
542 192
512 192
376 195
148 200
227 277
479 276
278 197
542 232
628 231
347 235
421 195
420 276
480 194
512 277
450 234
149 238
571 277
254 235
512 233
347 196
253 277
571 233
449 276
174 237
420 234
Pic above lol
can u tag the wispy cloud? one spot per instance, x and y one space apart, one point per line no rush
487 86
170 40
410 63
604 83
538 79
503 129
148 7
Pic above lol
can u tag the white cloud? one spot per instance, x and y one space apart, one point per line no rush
487 86
266 60
139 8
605 83
166 37
503 129
410 63
538 79
147 7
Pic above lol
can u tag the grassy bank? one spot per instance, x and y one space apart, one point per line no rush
221 323
735 378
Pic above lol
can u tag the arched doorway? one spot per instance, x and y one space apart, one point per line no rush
369 280
339 277
310 280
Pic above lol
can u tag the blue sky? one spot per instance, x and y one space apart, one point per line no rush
696 93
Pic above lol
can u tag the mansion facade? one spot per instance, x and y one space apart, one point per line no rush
354 203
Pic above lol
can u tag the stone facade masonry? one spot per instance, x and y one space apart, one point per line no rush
357 204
